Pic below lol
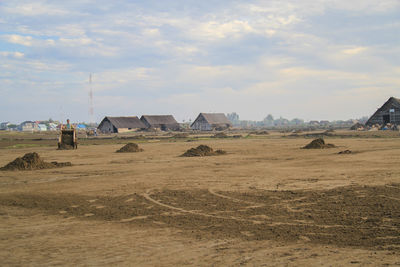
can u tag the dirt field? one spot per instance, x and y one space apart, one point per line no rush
267 202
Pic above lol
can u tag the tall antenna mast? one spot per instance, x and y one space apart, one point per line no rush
91 99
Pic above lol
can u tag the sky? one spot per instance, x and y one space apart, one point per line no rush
309 59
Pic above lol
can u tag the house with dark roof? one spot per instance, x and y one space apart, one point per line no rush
211 121
4 125
162 122
388 113
28 126
120 124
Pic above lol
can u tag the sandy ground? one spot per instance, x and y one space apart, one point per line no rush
265 203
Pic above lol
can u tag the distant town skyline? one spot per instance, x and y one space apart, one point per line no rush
314 60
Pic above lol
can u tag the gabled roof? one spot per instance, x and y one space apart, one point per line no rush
215 118
27 122
125 122
159 119
396 100
392 101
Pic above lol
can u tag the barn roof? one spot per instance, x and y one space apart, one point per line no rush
215 118
388 104
396 100
160 119
126 122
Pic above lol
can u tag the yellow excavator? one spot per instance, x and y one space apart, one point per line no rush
67 138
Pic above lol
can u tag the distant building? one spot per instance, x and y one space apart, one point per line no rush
120 124
162 122
211 121
42 127
52 126
388 113
4 125
28 126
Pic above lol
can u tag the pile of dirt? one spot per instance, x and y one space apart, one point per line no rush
318 144
202 151
130 147
220 135
345 152
32 161
357 126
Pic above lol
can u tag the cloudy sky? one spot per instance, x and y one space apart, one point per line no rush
313 59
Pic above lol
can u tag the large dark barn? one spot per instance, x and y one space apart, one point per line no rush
211 121
162 122
120 124
388 113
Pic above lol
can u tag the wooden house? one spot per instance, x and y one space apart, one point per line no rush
388 113
162 122
210 122
120 124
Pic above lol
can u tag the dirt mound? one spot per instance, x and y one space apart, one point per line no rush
130 147
220 135
202 151
318 144
32 161
357 126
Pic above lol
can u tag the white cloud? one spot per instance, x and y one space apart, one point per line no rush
354 50
28 40
76 41
238 56
110 80
12 54
35 9
19 39
368 6
220 30
151 32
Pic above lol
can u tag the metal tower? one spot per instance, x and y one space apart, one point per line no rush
91 116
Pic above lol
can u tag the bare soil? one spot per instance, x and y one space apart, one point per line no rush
220 135
346 152
352 216
265 203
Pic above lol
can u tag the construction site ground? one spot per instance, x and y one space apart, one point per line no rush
266 202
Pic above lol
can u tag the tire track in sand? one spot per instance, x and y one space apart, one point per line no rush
254 204
149 198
